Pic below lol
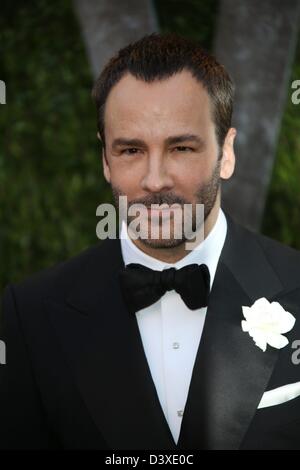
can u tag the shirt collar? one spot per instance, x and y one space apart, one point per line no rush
208 252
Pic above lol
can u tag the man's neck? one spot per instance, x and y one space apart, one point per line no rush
174 254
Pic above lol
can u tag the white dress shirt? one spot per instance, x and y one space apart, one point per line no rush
169 330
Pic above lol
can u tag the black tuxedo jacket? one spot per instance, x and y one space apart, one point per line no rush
76 376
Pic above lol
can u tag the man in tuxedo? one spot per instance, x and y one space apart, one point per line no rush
139 343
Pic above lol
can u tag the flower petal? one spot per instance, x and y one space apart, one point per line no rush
259 338
277 341
265 322
245 325
261 304
262 344
287 320
246 312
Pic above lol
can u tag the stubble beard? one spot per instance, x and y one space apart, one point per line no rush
206 195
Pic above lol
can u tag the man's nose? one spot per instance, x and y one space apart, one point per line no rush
157 177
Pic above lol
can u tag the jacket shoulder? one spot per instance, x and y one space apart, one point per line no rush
285 260
59 278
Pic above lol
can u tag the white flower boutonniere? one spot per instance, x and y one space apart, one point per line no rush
265 322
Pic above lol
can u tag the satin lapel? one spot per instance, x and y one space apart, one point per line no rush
230 373
102 343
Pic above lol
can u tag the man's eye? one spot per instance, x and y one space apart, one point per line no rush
130 151
182 148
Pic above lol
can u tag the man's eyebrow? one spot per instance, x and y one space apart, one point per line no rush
172 140
178 139
121 141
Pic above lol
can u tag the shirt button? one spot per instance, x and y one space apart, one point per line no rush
180 413
175 345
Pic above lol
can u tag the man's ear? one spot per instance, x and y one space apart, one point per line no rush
106 170
228 157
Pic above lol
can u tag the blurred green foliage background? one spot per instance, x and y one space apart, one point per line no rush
282 212
50 172
50 168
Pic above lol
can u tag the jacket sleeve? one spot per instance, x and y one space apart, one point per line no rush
23 423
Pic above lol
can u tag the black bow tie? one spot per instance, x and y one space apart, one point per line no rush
142 286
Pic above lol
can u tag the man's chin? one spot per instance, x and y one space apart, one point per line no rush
159 235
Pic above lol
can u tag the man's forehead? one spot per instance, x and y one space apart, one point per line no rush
181 86
179 99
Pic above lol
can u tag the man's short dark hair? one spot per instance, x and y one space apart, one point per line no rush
159 56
